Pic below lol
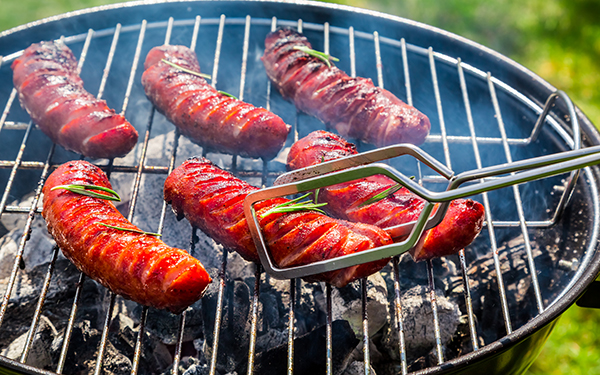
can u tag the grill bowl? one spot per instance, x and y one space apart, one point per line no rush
521 96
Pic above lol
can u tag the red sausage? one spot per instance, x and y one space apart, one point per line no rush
212 200
460 226
353 106
137 266
209 118
52 92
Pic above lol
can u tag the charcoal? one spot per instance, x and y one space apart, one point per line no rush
312 349
40 352
357 368
58 302
235 323
83 351
418 325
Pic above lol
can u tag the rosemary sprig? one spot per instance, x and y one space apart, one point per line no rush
206 76
227 94
87 191
326 58
295 205
384 194
131 230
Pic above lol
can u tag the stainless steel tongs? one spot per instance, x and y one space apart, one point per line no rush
364 165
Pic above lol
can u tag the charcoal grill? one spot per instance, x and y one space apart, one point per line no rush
482 106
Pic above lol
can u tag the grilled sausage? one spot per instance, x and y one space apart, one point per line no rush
203 114
353 106
460 226
137 266
52 92
212 200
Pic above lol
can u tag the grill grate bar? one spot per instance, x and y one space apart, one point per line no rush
328 335
69 330
218 52
109 60
254 319
11 99
244 57
434 310
365 324
104 337
486 204
177 356
517 195
136 58
218 314
398 312
378 59
291 327
48 277
19 255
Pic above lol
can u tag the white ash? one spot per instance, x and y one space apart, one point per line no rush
40 352
417 316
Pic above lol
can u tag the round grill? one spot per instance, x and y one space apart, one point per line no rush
523 270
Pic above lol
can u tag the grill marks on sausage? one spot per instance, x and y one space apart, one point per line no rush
209 118
212 200
460 226
52 92
137 266
353 106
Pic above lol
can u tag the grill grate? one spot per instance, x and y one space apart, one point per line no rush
438 138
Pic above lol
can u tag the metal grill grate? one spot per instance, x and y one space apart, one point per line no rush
442 140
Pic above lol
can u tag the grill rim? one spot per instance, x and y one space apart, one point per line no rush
536 325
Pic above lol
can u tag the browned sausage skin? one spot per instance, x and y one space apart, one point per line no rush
52 92
212 200
460 226
353 106
137 266
203 114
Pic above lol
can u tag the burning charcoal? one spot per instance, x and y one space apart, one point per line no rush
357 368
83 350
190 366
40 353
165 325
347 304
235 323
418 323
311 352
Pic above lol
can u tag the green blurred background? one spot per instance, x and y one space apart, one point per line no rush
557 39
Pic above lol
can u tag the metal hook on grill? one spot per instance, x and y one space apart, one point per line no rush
362 165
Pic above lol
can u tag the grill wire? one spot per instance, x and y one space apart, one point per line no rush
141 168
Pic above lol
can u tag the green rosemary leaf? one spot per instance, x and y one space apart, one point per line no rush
131 230
295 205
227 94
206 76
87 191
384 194
319 55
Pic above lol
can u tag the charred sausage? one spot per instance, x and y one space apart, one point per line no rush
137 266
203 114
353 106
460 226
212 200
52 92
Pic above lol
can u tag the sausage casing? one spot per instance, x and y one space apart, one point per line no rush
353 106
203 114
137 266
461 224
212 200
52 92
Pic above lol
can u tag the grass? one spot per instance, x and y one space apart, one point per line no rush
557 39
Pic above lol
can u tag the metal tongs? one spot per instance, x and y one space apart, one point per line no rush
363 165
